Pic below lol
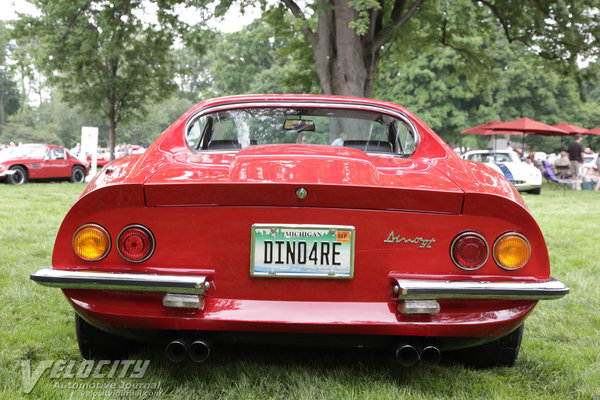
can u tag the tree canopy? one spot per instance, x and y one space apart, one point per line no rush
102 56
9 94
347 37
455 64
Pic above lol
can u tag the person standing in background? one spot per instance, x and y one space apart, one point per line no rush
575 151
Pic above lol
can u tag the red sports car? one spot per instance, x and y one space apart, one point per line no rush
296 218
102 159
40 161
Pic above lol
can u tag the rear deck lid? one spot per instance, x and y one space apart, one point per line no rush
332 178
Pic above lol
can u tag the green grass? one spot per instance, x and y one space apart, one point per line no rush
560 355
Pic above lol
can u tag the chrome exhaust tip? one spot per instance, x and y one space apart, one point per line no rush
407 355
199 351
430 356
177 350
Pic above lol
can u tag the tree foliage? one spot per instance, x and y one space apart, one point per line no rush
9 94
347 37
102 56
436 88
449 64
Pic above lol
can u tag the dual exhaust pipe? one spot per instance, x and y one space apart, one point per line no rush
199 351
179 349
408 355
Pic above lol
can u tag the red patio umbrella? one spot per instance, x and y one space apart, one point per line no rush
486 130
571 129
529 126
594 131
483 129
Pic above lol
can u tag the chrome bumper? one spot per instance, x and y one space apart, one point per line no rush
7 172
120 281
407 289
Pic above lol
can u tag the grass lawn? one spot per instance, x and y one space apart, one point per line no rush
559 359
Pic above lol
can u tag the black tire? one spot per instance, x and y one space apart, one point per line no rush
77 174
19 176
502 352
97 344
535 191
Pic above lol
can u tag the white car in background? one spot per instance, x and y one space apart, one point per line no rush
525 177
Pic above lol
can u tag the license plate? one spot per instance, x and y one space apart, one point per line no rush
313 251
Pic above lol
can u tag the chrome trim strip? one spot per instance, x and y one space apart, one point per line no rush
120 281
436 289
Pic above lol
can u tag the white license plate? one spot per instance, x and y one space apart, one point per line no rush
314 251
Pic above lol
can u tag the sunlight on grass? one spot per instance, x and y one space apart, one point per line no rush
560 355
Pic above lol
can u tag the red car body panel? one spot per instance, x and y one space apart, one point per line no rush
201 208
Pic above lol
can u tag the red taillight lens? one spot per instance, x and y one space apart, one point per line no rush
135 243
469 250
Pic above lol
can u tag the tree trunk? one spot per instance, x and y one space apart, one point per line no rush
112 128
2 114
344 62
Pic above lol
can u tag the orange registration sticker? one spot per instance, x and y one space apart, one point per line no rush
342 236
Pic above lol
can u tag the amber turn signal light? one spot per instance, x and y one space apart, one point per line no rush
511 251
91 242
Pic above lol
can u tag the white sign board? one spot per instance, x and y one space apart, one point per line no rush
89 146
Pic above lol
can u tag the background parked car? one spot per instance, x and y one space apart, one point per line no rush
525 177
102 159
41 161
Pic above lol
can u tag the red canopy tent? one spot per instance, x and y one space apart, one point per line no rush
594 131
483 129
486 130
529 126
571 129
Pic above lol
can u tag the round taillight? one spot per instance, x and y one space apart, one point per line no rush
469 250
135 243
91 242
511 251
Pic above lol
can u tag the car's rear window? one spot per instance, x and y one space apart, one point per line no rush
236 129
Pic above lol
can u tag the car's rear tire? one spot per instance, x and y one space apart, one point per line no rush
535 191
94 343
502 352
19 176
77 174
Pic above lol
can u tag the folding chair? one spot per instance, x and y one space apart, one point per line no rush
551 177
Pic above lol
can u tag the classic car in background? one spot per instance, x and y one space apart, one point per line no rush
243 222
102 159
40 161
525 177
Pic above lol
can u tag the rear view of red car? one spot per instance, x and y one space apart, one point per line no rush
302 218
